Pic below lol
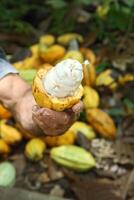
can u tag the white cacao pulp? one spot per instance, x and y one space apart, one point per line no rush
63 79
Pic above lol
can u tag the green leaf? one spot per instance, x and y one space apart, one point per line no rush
57 26
102 67
129 104
82 116
129 3
116 112
118 18
57 4
83 2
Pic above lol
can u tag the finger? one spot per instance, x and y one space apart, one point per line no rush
35 108
53 122
49 129
74 112
77 108
46 127
52 117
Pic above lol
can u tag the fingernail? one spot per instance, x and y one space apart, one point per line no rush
75 108
35 108
78 107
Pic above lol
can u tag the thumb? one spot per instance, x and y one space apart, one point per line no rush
35 109
77 108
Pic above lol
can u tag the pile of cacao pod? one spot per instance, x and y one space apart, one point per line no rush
96 123
49 51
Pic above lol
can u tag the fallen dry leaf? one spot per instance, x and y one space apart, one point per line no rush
125 184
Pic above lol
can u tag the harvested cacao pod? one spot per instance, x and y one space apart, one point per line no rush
84 129
66 38
90 98
66 138
7 174
89 73
47 40
73 157
59 87
88 54
35 149
51 54
107 78
101 122
9 134
126 78
19 65
28 63
32 62
4 148
74 54
4 113
27 74
34 49
46 65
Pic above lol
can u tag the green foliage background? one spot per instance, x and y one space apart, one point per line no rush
114 15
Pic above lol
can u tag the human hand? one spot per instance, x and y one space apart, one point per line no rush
56 123
16 95
31 118
38 120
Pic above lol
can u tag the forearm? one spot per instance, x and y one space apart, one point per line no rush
12 89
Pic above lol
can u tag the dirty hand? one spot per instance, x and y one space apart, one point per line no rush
38 120
53 122
16 95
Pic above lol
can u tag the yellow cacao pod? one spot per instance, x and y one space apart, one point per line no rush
101 122
46 65
73 157
67 138
127 77
35 49
52 53
91 98
28 63
84 129
35 149
66 38
74 54
88 55
89 73
4 148
32 62
9 134
4 113
47 40
106 78
18 64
